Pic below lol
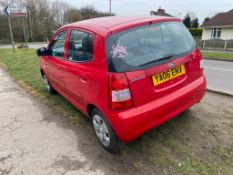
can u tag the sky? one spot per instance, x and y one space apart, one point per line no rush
178 8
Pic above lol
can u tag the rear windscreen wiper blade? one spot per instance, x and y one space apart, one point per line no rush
163 58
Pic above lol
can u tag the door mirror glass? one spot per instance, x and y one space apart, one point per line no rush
43 51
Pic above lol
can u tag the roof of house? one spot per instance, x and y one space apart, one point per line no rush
116 23
160 12
221 19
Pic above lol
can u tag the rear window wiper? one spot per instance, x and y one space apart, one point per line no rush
163 58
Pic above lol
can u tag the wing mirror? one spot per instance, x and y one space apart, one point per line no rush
43 51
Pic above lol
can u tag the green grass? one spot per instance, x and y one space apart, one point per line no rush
27 43
166 147
219 55
24 67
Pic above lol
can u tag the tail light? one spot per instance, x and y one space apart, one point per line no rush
119 92
199 57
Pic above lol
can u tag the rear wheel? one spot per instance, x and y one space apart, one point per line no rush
48 86
106 136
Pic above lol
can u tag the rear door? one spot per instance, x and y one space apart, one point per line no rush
78 69
55 62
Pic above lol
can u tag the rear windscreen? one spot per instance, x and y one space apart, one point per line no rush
145 46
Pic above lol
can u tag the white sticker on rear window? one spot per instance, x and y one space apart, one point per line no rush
119 51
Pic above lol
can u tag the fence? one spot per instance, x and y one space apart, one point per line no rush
215 44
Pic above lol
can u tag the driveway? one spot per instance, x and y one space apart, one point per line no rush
219 75
34 140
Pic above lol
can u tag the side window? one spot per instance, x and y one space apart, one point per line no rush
80 46
58 44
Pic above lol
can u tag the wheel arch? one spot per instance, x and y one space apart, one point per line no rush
90 108
42 72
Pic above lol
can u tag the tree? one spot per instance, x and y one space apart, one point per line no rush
206 19
190 20
90 12
187 21
43 17
195 23
58 10
72 15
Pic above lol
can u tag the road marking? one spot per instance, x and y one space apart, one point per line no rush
219 69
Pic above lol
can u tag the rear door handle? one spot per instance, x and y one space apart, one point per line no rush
83 79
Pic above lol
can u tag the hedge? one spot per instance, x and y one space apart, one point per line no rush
196 31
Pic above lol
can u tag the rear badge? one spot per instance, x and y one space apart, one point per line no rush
137 78
171 65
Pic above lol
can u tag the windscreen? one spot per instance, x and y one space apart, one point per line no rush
145 46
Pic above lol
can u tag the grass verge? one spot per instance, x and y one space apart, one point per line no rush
218 55
177 147
23 66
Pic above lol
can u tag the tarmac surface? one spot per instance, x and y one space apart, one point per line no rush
219 75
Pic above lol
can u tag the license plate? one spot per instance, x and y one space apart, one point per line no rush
168 75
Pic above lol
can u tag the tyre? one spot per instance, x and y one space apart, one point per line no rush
105 135
48 86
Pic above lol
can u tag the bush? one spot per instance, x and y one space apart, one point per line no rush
196 31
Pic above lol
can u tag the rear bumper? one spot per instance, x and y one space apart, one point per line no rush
132 123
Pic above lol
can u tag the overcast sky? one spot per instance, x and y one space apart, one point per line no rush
201 8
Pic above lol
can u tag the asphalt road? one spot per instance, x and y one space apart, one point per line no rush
219 75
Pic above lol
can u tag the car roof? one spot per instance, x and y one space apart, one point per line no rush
105 25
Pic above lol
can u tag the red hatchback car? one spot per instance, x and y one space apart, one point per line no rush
128 75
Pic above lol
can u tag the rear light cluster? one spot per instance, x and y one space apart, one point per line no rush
199 56
119 92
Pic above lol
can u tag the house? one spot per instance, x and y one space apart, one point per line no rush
160 12
219 27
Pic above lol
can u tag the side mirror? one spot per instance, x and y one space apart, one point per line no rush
43 51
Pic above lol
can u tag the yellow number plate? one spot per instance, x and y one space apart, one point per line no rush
168 75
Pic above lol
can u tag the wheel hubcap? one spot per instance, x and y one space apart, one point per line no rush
101 130
46 83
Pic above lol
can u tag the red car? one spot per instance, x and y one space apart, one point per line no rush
128 75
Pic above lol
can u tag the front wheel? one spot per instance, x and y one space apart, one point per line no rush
48 86
106 136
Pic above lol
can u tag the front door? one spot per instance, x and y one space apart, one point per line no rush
56 60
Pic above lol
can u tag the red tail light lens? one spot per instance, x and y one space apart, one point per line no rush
120 95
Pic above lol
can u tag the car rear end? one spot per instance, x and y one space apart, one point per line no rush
155 73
